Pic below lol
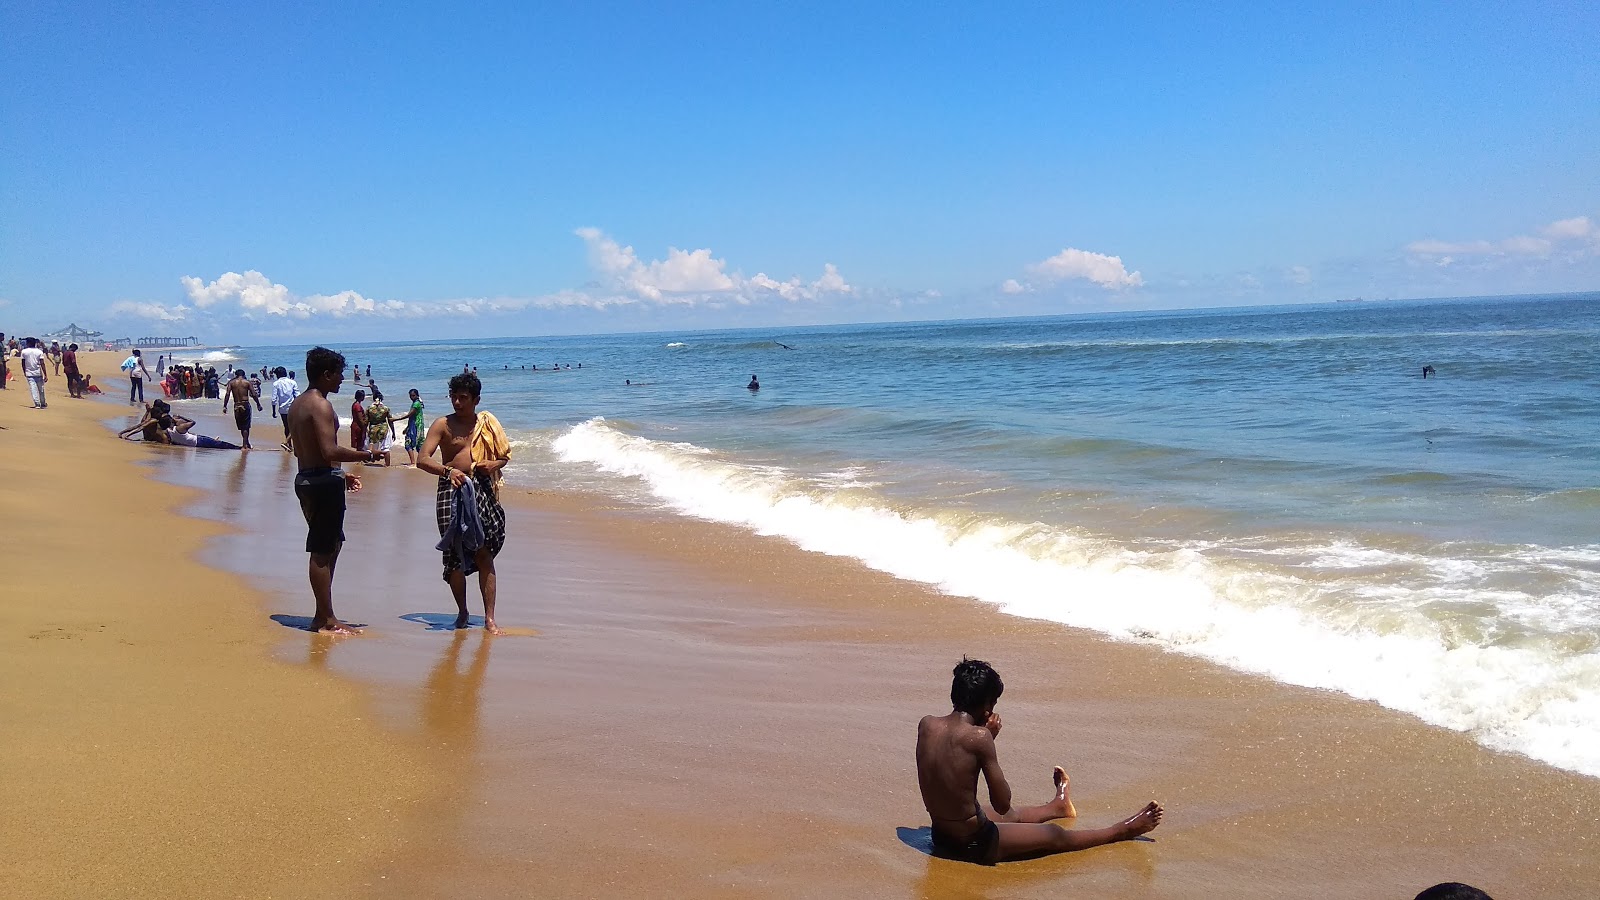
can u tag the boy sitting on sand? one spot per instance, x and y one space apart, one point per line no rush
953 749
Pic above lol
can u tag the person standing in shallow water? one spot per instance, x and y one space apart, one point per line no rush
414 431
951 752
239 395
472 448
320 484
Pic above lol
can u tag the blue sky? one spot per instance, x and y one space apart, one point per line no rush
250 171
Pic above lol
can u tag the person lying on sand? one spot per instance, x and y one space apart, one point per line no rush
161 426
953 749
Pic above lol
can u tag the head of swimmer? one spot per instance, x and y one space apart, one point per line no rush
325 369
975 689
465 389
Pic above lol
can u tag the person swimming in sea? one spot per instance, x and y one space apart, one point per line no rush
754 385
951 752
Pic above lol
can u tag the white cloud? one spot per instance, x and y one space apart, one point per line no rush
1564 235
154 311
1071 263
684 277
1298 275
689 277
1012 286
255 294
1566 229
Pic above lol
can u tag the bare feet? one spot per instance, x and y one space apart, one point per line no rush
333 626
462 620
1145 820
1063 799
491 627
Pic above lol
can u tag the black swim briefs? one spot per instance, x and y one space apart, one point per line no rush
321 493
981 847
241 417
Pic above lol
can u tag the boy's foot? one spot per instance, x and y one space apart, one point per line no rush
1063 799
1144 821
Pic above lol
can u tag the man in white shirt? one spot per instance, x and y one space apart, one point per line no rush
33 370
137 373
284 390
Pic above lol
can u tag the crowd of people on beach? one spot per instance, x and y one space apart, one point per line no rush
36 362
187 382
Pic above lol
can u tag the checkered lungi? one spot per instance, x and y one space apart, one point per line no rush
490 512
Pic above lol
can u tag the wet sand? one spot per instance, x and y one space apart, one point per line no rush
151 746
705 712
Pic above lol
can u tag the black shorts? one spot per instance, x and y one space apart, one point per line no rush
321 493
981 847
241 417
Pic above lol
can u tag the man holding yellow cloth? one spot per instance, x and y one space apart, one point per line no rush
472 523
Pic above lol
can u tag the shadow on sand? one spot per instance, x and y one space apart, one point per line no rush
303 623
441 621
918 839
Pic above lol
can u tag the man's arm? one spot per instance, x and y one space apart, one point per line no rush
999 788
326 427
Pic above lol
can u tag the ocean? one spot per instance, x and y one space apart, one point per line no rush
1276 489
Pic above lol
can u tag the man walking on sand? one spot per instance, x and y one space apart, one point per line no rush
473 449
284 390
953 749
320 484
33 369
238 391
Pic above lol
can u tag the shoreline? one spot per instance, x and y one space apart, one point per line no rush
706 711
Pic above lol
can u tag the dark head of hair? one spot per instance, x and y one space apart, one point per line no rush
72 346
467 383
320 362
1453 890
160 407
31 341
414 394
361 395
291 373
281 372
976 686
137 353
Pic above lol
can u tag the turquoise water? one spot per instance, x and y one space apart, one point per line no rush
1276 489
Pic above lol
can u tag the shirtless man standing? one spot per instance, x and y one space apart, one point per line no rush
473 447
238 390
953 749
320 483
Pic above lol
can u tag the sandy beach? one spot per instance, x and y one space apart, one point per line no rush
152 746
683 709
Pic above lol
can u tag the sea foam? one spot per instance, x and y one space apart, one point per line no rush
1533 696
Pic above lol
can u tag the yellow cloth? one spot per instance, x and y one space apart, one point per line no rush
489 441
